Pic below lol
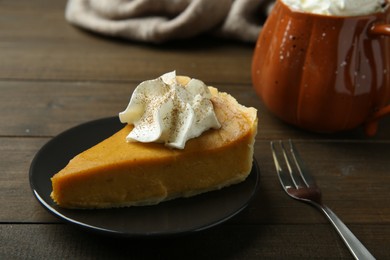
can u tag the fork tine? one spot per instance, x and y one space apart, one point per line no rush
284 179
296 177
307 178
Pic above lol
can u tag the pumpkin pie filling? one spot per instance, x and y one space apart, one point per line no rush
118 173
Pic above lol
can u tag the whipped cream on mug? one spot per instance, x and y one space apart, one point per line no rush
337 7
162 110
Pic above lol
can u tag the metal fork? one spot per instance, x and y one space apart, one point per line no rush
299 185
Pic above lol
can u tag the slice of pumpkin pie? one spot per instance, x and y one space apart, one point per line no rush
182 138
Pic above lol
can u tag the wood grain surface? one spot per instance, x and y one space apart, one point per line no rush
54 76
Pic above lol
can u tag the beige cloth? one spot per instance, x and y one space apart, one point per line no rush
164 20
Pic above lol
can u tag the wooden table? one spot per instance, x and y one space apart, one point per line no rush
54 76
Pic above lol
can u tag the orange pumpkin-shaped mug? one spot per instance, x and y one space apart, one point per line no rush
324 73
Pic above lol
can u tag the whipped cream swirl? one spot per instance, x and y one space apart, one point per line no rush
162 110
337 7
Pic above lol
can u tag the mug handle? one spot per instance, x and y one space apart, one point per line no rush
380 29
371 125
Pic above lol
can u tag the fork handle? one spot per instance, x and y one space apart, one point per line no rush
358 250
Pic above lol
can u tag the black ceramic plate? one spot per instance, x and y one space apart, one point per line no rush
168 218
